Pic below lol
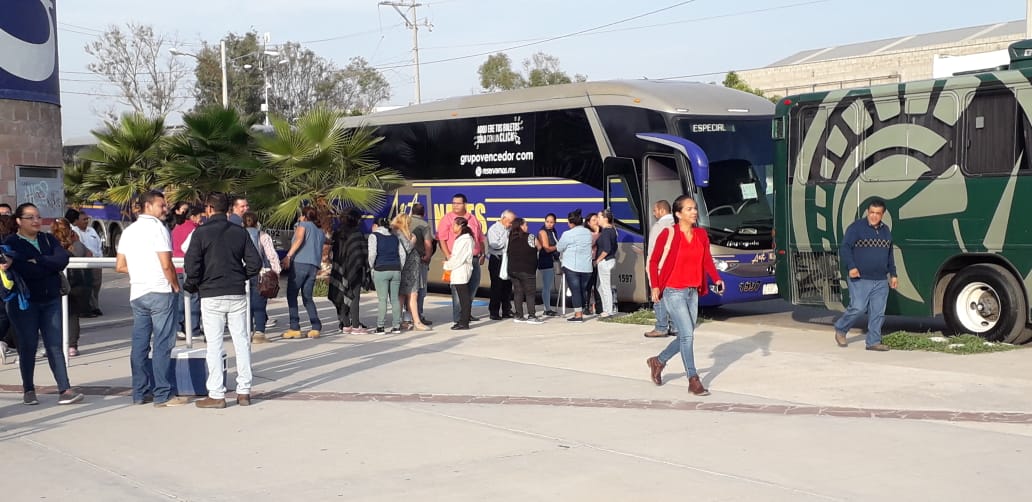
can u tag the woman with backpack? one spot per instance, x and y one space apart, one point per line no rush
270 261
386 257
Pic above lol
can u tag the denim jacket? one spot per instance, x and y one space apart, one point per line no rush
575 246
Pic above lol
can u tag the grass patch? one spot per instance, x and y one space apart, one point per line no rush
322 287
644 317
960 344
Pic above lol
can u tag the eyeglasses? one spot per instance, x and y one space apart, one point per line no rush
33 217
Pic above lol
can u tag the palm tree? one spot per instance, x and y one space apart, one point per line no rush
212 154
124 162
320 162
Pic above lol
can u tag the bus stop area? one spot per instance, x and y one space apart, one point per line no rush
511 411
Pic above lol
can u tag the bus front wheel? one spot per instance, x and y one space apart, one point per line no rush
988 301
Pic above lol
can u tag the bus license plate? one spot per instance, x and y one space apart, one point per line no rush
770 289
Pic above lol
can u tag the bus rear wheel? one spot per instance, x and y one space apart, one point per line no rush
986 300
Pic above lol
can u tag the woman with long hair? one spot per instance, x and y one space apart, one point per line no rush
460 264
38 259
592 300
270 261
304 259
677 270
386 257
575 246
409 289
187 219
522 260
548 257
605 260
349 255
80 280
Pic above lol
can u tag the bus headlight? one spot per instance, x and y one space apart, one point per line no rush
721 265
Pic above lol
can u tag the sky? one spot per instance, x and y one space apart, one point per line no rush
699 40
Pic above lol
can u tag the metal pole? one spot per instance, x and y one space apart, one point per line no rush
64 326
415 47
225 87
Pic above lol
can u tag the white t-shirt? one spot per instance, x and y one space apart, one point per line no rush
140 244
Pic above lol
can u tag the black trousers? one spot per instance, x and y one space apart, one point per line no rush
524 288
465 303
347 311
501 290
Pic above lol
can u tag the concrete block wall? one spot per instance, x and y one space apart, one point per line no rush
30 135
863 71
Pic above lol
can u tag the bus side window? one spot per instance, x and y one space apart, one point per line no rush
993 135
620 204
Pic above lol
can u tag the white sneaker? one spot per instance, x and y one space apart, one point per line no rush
180 335
3 352
533 320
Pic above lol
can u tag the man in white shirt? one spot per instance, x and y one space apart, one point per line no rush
500 306
89 238
145 253
664 219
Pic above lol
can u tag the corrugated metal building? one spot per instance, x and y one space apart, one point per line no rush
891 60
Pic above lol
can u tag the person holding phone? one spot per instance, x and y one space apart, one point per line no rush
678 271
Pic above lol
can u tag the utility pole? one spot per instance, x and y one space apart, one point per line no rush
412 23
225 86
1028 18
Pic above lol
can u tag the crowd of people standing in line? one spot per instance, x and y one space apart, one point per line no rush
224 248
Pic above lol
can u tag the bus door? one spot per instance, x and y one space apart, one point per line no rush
622 194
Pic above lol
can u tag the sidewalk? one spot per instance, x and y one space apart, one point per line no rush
516 412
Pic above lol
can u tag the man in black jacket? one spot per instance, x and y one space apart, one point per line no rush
219 260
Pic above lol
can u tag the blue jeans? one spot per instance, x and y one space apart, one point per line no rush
683 308
259 304
388 283
578 283
870 296
302 278
153 313
195 310
43 318
662 318
547 280
473 285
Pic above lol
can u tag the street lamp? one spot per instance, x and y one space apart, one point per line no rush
225 88
265 78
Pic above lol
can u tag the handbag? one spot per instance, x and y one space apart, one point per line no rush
503 272
268 284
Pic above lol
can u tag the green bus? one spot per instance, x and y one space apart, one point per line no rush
950 158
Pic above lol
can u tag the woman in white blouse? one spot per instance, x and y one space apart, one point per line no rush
460 264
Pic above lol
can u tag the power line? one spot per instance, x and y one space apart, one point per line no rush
348 35
550 39
633 28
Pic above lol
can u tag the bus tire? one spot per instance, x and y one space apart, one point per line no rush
988 301
114 235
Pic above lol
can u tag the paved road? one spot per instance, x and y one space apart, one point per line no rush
515 412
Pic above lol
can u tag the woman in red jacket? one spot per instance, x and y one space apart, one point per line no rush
677 271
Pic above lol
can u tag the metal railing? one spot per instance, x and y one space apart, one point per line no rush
90 263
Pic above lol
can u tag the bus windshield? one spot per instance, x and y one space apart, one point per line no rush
740 194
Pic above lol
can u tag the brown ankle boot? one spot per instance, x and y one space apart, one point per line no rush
656 367
695 386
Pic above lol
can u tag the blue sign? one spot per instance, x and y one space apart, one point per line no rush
28 51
